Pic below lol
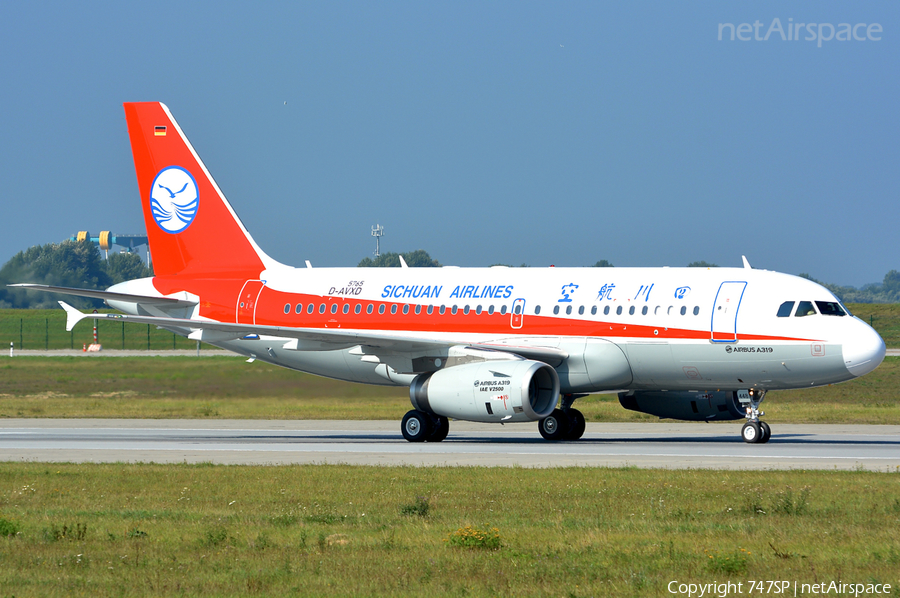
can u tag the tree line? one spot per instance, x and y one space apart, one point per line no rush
68 264
79 264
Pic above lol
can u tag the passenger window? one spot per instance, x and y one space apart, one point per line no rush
568 310
453 310
334 308
669 311
502 310
430 310
594 310
310 308
805 308
606 311
555 310
346 309
466 310
287 308
683 310
696 310
619 311
381 308
517 310
830 308
580 310
537 309
406 309
418 309
298 309
491 310
321 308
478 310
358 308
631 311
785 309
644 310
443 309
394 308
369 308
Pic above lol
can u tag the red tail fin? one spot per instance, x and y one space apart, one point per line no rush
191 227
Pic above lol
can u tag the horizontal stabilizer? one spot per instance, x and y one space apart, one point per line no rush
73 316
106 295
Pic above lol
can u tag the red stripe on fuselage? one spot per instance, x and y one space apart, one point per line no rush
271 303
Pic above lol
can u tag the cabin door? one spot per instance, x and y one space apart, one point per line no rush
725 311
246 303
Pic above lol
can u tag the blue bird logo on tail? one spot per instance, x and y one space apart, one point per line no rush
174 211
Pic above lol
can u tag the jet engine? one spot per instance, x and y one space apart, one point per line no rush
685 405
491 391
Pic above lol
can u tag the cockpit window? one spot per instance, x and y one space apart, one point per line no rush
805 308
830 308
785 310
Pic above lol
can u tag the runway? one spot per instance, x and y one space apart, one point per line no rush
673 446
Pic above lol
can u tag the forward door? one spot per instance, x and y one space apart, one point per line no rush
725 311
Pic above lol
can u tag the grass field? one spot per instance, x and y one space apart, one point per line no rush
152 530
230 388
191 530
46 329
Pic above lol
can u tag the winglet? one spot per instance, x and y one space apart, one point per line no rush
403 262
73 316
746 263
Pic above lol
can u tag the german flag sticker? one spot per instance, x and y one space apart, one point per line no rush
159 131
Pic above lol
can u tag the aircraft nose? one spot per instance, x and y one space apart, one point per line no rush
863 349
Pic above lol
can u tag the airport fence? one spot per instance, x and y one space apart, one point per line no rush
45 329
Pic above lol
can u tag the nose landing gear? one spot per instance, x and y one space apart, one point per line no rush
754 431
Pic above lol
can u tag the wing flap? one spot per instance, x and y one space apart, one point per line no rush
549 355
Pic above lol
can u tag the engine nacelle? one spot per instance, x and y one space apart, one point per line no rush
510 391
685 405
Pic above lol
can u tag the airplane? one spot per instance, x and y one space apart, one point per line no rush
493 344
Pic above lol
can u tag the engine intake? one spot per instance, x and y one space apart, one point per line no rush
492 391
685 405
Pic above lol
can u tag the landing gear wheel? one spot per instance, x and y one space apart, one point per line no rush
440 430
765 432
577 430
555 426
751 432
416 426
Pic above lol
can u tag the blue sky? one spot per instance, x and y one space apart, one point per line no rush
520 132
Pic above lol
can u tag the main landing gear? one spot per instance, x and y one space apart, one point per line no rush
755 431
418 426
565 423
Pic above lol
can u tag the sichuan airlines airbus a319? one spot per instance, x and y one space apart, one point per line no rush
479 344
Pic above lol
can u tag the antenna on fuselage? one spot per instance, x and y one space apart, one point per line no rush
377 232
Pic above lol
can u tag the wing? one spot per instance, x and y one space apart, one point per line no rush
318 339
